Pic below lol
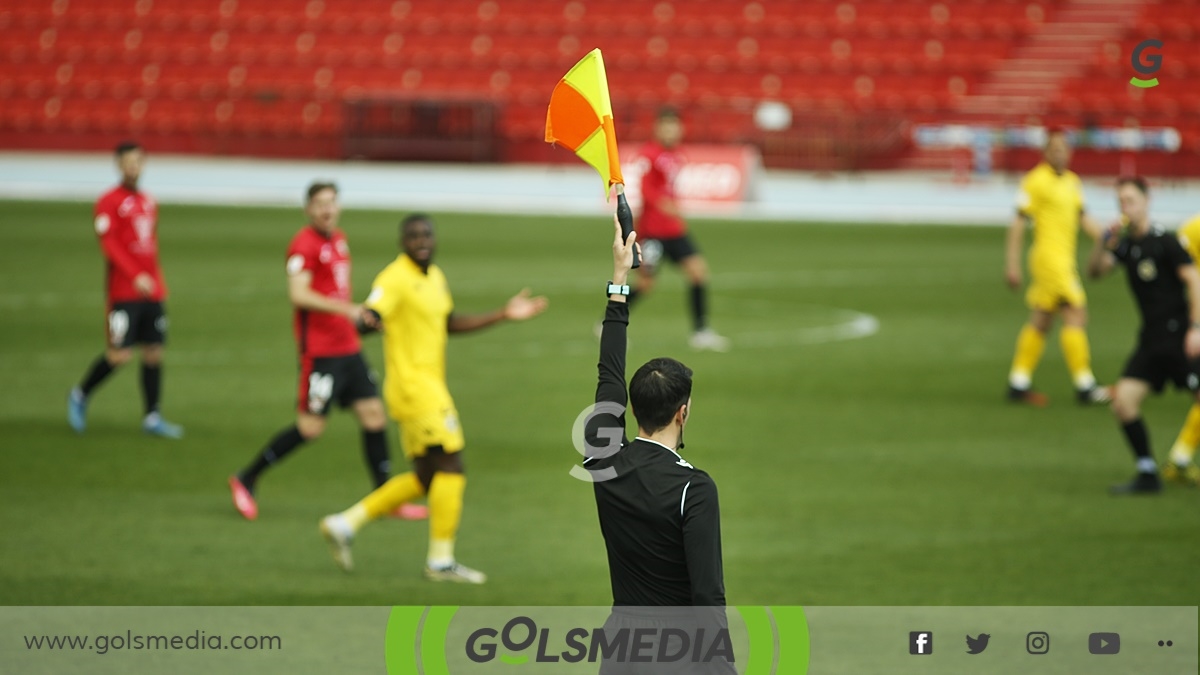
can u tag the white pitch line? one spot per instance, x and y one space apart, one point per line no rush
725 281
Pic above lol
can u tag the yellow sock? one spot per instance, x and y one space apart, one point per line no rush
1189 437
1078 356
445 512
1031 342
385 499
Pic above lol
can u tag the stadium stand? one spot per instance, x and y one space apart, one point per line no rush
280 77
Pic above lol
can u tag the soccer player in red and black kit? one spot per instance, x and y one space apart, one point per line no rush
662 231
332 368
127 224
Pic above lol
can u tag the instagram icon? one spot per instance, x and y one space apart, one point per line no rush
1037 642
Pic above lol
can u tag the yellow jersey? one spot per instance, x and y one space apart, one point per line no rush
414 307
1053 203
1189 236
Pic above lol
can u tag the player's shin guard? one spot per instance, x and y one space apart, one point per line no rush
1031 342
387 498
445 512
1189 437
1078 356
375 451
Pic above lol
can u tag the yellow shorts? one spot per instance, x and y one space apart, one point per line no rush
422 432
1049 292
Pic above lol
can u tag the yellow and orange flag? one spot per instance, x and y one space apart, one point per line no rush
580 118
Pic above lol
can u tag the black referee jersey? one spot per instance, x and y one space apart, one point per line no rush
658 513
1152 266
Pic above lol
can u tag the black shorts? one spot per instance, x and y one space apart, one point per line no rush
1157 360
340 379
675 250
136 323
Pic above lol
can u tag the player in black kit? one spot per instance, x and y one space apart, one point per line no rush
1166 285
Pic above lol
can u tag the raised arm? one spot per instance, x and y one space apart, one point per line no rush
611 385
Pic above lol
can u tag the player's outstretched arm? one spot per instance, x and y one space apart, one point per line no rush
520 307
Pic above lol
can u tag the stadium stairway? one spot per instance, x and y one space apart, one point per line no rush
1060 50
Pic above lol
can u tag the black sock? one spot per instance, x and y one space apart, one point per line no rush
375 450
1138 439
281 446
699 306
633 294
99 371
151 386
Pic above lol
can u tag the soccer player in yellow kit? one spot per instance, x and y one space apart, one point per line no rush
411 303
1179 466
1051 200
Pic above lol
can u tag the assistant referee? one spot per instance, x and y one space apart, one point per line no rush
659 515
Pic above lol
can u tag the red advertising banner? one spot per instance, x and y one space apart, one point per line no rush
712 174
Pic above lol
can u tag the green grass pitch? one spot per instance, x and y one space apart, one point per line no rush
880 470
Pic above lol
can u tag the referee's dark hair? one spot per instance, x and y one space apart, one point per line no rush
1137 182
657 390
127 146
319 186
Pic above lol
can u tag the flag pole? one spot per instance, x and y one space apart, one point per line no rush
625 218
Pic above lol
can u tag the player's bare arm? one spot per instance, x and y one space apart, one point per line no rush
669 206
1091 226
302 296
520 307
1016 240
1191 278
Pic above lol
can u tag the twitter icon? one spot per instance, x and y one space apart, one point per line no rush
976 645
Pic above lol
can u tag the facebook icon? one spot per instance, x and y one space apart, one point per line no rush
920 642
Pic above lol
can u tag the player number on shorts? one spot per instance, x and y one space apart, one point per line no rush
118 326
320 389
